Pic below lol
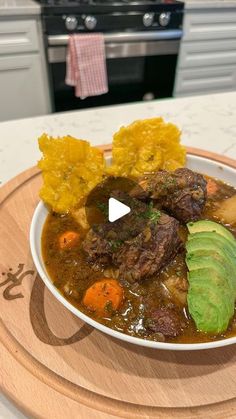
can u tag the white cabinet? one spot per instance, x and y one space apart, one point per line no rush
21 86
206 80
24 86
208 53
210 24
207 57
18 36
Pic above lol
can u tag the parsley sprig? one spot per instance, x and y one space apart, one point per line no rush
152 214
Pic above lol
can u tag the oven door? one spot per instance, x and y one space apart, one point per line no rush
140 66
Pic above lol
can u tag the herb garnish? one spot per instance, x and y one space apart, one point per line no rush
109 307
115 244
168 183
103 208
151 214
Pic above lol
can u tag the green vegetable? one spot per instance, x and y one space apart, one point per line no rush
152 214
206 225
115 244
211 260
216 238
213 265
103 208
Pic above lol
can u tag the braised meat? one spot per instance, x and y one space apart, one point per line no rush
150 251
139 256
182 193
98 249
104 239
165 320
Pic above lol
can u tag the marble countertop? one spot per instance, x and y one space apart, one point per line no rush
207 122
19 8
209 4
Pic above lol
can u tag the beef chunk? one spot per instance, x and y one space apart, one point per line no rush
150 251
166 321
98 249
105 239
136 257
182 193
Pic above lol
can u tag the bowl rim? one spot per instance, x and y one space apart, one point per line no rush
41 269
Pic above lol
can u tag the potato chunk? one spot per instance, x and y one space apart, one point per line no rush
178 288
226 211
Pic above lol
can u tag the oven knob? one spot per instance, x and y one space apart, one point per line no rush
90 22
71 23
164 19
148 19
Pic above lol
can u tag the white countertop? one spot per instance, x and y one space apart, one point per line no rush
207 122
19 8
209 4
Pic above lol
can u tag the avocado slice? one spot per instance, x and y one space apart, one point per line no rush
199 306
210 307
221 241
206 225
220 255
203 245
208 280
211 302
216 267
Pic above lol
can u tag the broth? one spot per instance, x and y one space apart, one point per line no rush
72 275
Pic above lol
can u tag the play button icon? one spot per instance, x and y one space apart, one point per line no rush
110 208
116 210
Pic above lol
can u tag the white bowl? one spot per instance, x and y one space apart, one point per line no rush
202 165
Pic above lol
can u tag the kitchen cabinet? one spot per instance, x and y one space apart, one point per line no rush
21 86
207 56
24 84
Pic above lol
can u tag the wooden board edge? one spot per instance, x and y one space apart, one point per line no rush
103 403
111 406
12 184
212 156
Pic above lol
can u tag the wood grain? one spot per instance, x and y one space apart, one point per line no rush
53 365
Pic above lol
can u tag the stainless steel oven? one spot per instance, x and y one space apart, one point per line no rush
141 49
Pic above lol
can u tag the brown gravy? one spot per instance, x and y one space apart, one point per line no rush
72 275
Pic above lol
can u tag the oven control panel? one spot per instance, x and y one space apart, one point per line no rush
148 19
71 23
164 18
76 23
90 22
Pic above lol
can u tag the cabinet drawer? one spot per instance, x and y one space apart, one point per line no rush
18 36
210 25
22 86
210 79
207 53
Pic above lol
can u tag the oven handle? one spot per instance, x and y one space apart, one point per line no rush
60 40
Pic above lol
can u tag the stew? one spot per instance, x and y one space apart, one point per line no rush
149 300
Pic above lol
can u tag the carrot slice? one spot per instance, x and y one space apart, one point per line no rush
103 297
212 187
68 239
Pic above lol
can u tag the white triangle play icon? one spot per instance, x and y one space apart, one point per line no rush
116 209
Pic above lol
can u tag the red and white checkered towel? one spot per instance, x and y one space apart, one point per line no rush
86 65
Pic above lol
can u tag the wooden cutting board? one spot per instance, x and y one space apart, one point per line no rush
54 366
